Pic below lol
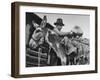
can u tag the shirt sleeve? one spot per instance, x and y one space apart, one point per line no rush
61 33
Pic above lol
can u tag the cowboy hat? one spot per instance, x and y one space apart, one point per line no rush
59 22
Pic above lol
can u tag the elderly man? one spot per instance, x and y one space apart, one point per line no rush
65 41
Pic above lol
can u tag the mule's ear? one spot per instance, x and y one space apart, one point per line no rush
45 18
44 22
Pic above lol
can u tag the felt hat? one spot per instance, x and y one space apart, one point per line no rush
59 22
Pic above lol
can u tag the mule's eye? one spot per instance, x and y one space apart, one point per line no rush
49 32
38 31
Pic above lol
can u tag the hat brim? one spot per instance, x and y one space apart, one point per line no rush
61 24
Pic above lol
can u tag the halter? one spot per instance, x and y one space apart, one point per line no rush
35 37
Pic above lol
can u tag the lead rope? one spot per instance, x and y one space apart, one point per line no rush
39 56
48 62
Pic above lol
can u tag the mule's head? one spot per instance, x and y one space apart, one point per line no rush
39 34
37 38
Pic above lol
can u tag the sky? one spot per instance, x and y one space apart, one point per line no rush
70 21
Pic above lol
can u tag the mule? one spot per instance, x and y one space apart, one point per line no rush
63 50
51 38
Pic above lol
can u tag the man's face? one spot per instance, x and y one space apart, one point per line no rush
59 27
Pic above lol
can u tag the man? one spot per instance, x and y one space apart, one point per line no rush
65 41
